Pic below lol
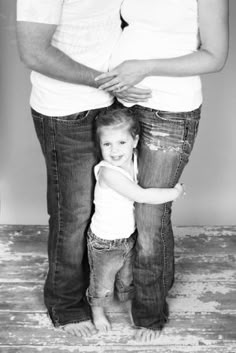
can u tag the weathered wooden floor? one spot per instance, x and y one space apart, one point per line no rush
202 301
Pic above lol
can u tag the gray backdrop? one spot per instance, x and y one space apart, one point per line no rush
210 176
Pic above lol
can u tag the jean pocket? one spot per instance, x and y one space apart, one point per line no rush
170 117
73 118
100 247
38 120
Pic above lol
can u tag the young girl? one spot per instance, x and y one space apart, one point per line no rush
111 236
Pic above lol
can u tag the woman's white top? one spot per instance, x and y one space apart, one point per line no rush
114 214
162 29
87 31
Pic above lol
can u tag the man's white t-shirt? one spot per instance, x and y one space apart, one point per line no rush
87 31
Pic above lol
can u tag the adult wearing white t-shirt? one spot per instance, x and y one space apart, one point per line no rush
165 47
66 44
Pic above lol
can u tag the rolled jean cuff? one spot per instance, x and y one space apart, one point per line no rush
125 296
103 301
69 320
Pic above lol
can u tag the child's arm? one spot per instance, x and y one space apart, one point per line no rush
126 187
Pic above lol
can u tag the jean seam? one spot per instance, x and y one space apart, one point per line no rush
164 249
59 212
92 276
38 119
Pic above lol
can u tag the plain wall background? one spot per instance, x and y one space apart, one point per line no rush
210 176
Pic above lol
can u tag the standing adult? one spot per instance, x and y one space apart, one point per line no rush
66 44
166 46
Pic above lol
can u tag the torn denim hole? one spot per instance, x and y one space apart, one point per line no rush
157 140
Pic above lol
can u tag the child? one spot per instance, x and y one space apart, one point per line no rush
111 236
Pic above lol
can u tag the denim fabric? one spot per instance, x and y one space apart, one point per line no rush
68 146
166 142
111 267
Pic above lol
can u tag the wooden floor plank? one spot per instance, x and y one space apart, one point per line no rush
193 330
188 296
117 349
33 268
189 240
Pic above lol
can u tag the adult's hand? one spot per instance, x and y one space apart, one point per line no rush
134 95
125 75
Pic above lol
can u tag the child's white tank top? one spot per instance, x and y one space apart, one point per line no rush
114 214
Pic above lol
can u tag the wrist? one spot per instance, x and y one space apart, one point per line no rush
148 68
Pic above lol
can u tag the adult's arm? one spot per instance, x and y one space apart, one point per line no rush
211 56
38 54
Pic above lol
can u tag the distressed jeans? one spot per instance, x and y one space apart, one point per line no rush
166 142
68 147
111 269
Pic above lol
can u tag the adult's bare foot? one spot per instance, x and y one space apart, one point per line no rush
80 329
99 319
145 335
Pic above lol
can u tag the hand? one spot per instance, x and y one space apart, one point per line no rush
125 75
134 95
180 188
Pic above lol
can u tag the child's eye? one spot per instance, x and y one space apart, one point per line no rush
122 142
106 144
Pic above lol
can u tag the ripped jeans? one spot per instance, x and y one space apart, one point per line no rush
111 265
166 142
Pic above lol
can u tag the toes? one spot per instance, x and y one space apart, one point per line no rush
71 330
102 325
80 329
147 335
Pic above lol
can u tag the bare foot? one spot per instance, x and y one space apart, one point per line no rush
99 319
145 335
80 329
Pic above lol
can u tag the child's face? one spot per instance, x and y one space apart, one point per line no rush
117 145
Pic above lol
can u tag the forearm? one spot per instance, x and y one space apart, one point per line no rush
197 63
54 63
156 196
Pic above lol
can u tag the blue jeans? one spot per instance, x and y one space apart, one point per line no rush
68 147
166 142
111 267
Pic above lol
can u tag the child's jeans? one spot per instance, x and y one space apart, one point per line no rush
111 268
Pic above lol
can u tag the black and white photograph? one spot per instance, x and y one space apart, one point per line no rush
117 176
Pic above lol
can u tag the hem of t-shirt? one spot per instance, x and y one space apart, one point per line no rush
72 110
104 237
182 107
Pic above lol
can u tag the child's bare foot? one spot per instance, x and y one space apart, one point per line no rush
145 335
80 329
99 319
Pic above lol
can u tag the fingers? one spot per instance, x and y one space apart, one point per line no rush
137 90
106 75
132 98
181 189
112 85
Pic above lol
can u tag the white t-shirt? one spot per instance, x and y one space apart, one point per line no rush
114 214
87 31
162 29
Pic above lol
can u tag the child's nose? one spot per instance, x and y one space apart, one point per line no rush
114 148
